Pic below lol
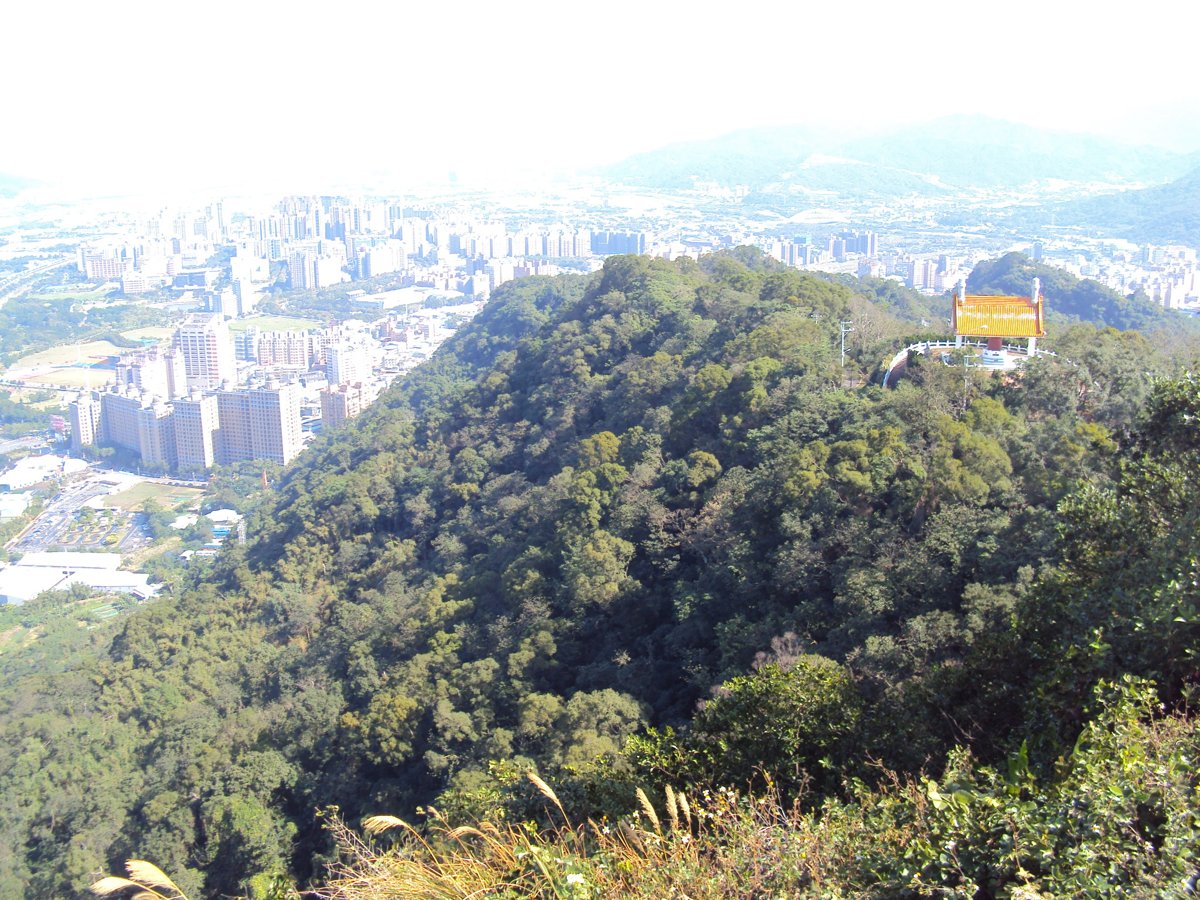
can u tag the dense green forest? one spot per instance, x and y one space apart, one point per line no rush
641 529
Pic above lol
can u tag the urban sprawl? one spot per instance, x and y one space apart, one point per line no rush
232 384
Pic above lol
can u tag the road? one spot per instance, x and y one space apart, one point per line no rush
15 285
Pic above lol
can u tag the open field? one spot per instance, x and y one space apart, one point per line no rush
82 293
153 332
58 365
167 496
68 377
273 323
67 354
135 559
26 394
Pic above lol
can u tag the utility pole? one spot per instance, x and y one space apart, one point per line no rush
966 384
847 327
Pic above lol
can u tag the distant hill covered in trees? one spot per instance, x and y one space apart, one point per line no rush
1067 296
1163 214
931 158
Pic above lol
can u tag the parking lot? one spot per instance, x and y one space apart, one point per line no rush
60 526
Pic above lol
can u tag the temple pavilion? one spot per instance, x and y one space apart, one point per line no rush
999 319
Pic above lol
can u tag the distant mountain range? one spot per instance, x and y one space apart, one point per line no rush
950 153
1164 214
11 185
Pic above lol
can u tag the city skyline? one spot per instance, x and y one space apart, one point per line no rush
267 96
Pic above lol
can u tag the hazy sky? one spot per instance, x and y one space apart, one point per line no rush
114 91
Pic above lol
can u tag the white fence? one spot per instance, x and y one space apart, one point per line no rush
923 347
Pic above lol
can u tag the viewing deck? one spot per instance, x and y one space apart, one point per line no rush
1007 358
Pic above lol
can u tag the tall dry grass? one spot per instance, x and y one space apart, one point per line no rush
723 845
146 881
720 845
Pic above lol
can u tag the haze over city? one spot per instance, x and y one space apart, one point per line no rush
136 96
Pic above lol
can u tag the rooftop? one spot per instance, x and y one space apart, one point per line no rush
1011 317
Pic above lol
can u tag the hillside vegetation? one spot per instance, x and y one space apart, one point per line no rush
613 498
1165 214
1069 298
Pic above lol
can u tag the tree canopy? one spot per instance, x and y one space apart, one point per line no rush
637 525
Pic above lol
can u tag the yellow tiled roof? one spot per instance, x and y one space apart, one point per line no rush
1012 317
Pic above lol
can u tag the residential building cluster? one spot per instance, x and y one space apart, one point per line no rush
169 252
472 243
213 397
1167 275
180 409
319 242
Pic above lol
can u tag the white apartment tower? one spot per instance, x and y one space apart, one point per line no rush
259 423
156 435
207 350
158 372
347 363
120 410
85 421
196 423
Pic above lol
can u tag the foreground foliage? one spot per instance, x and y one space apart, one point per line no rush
1120 817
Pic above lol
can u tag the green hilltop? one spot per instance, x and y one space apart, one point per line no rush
1070 299
642 529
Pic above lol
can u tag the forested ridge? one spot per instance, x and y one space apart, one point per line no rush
1072 299
610 499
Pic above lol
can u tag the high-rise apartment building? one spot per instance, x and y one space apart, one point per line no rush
158 372
259 423
104 263
300 270
245 344
196 423
119 412
85 421
207 350
291 349
346 363
246 295
382 257
327 270
156 435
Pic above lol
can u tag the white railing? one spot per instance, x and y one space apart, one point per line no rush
923 347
